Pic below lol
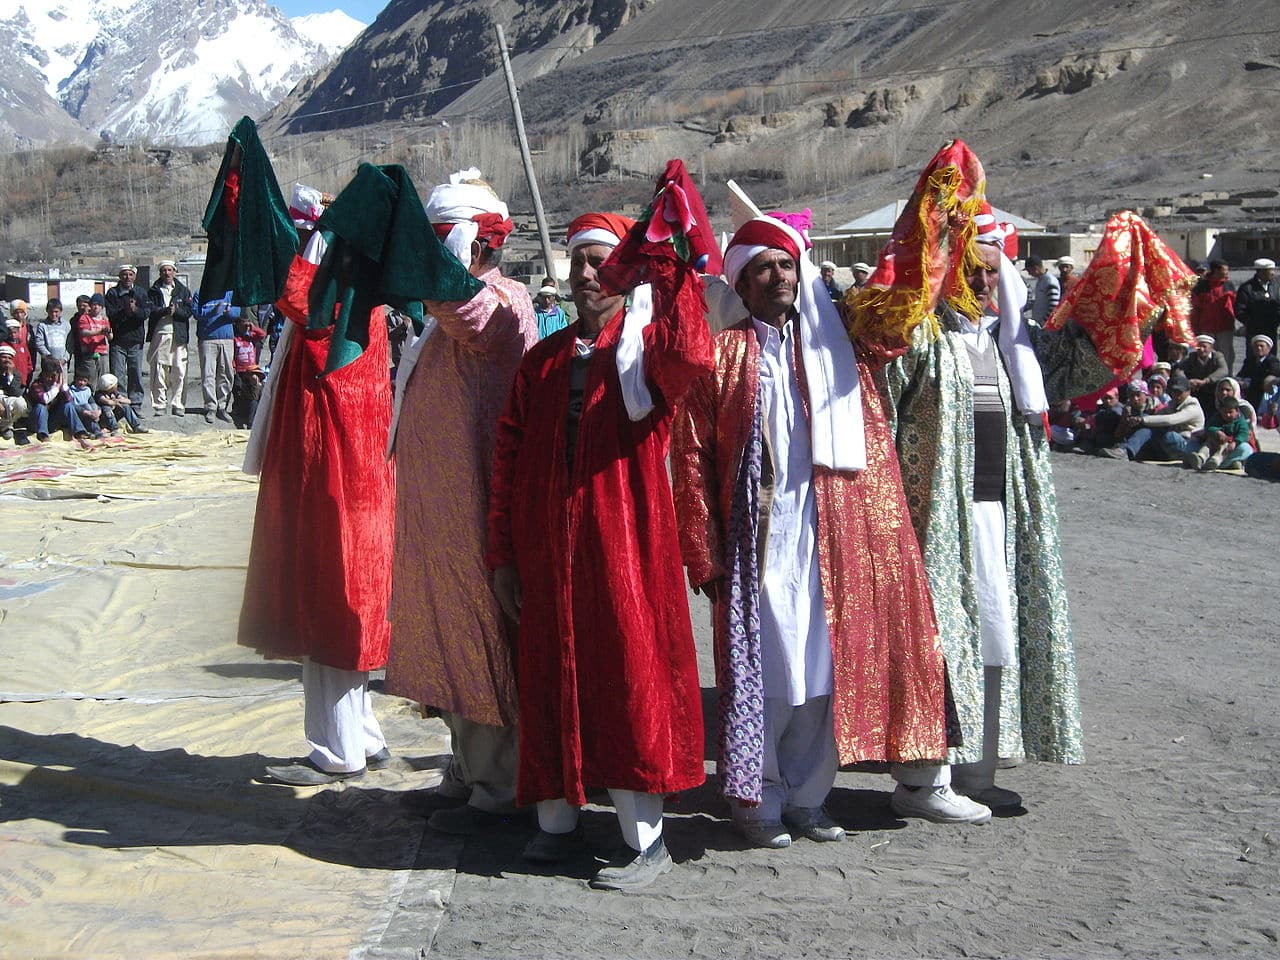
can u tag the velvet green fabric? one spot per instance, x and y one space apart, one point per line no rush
249 253
382 250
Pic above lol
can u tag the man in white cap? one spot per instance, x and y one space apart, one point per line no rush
860 273
828 272
171 309
550 315
451 645
128 309
1066 274
1260 371
792 519
1258 302
1204 367
584 553
13 405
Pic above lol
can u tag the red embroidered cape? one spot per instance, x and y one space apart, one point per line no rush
607 672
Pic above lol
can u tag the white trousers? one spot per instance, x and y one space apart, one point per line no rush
995 613
338 717
484 761
216 364
639 817
799 759
970 776
168 370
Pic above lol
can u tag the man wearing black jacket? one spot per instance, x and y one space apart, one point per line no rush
1258 302
128 309
167 334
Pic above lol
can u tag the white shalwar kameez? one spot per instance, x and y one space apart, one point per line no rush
338 718
799 741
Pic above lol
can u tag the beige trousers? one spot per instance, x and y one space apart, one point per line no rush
168 370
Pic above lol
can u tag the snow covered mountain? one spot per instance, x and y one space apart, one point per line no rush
181 71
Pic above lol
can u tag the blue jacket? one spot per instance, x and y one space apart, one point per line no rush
217 319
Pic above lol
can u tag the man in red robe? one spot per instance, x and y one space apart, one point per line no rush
582 542
793 522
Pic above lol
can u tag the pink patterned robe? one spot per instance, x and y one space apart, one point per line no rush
451 646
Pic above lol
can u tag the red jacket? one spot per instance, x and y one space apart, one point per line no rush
1213 307
607 670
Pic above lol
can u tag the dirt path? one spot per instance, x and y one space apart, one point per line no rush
1164 843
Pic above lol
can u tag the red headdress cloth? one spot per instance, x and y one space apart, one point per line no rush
1132 278
928 255
607 229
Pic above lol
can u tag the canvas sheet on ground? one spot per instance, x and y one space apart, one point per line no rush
132 725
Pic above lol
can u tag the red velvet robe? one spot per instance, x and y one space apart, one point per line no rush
889 690
320 561
607 673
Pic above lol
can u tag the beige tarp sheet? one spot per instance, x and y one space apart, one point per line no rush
132 726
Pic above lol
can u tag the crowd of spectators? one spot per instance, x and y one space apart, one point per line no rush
1189 406
84 373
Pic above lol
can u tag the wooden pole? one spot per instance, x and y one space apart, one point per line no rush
529 175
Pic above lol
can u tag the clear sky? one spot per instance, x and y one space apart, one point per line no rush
363 10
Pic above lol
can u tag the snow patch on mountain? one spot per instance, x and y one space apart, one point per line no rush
332 31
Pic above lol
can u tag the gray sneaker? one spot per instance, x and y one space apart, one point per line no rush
814 824
938 804
632 871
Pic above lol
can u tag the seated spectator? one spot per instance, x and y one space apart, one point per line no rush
1131 435
53 336
1230 387
1158 388
116 408
1204 368
861 271
13 405
1065 423
1100 425
548 312
247 387
1177 354
1260 373
86 407
1177 430
1225 441
49 401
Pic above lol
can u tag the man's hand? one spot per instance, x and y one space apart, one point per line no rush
711 589
506 587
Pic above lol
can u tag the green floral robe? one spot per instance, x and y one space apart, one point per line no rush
929 401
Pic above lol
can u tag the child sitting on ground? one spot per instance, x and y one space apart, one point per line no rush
87 408
1226 438
116 408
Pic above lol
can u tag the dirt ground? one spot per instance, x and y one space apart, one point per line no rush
1163 844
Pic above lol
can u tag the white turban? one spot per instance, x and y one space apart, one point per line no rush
458 202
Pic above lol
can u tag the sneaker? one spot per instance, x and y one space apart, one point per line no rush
1112 453
464 820
178 411
141 429
769 834
1213 463
997 798
223 415
1192 461
630 870
938 804
555 847
208 416
379 760
813 824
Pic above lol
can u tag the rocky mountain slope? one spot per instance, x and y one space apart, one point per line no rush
1075 107
181 71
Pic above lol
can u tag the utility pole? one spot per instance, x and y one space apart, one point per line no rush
529 175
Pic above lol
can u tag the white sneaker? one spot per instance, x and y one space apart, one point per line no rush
939 804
